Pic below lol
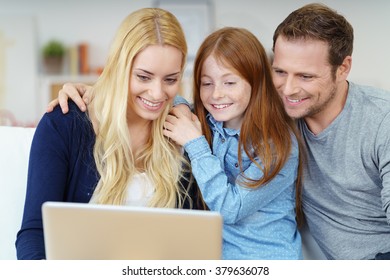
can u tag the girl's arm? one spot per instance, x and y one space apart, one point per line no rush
233 201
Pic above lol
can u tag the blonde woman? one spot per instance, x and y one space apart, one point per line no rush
114 152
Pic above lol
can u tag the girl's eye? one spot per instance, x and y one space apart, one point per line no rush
205 84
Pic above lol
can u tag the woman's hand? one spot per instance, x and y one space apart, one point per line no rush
182 127
79 93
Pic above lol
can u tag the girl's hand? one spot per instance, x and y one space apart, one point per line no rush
183 108
181 127
79 93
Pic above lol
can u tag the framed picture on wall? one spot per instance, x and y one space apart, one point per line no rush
196 18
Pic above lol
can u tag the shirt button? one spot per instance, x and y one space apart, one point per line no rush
223 140
236 164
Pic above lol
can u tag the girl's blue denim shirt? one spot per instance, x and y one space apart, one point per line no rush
258 223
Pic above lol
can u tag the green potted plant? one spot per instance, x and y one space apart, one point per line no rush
53 55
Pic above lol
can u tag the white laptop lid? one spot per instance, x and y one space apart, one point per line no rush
102 232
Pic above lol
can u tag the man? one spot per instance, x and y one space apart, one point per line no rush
346 129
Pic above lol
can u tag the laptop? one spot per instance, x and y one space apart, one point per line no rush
82 231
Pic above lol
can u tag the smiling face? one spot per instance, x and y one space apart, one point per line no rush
303 77
224 93
154 81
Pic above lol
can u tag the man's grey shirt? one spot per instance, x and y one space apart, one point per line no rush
346 183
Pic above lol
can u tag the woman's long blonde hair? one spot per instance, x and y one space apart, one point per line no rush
160 159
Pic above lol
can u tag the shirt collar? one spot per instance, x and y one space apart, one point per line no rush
218 126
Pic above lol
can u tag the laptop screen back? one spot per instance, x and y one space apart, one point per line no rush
103 232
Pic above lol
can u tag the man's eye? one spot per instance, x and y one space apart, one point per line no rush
279 72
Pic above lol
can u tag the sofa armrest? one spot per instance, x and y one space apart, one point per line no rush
15 145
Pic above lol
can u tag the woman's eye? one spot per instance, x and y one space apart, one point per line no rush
142 77
171 81
230 83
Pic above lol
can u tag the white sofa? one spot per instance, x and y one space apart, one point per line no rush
14 152
15 145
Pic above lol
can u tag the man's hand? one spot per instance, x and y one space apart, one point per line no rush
79 93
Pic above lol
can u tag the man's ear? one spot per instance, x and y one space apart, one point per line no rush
344 69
